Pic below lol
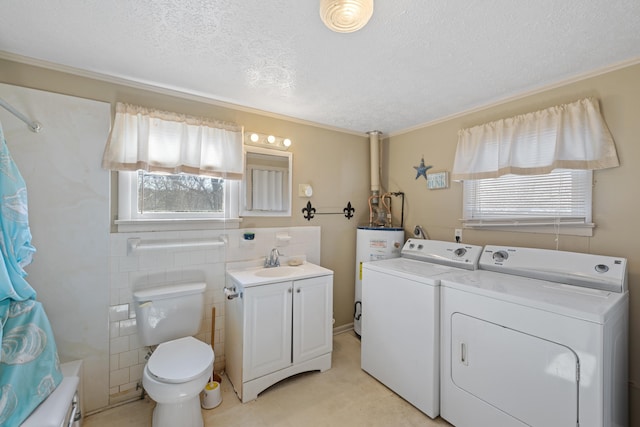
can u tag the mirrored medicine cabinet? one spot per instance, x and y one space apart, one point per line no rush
266 183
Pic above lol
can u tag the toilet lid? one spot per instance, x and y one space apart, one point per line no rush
180 360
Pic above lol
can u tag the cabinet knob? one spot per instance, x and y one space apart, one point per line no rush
298 290
289 290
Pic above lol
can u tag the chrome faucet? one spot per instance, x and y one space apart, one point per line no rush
272 260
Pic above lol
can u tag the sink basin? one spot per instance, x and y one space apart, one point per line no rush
277 271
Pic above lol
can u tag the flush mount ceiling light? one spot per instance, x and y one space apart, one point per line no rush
345 16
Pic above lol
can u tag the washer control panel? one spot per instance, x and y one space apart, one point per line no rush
440 252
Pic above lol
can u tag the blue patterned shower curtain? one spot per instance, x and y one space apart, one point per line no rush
17 251
29 366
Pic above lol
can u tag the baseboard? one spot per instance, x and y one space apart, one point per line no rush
344 328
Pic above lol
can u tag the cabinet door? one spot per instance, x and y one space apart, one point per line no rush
312 318
267 338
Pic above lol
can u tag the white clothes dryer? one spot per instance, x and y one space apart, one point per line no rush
401 318
545 345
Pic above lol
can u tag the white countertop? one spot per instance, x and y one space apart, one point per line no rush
259 275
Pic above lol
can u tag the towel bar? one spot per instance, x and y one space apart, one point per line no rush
136 244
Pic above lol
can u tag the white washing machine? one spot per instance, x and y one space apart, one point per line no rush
401 318
540 340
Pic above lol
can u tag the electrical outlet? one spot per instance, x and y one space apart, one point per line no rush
458 234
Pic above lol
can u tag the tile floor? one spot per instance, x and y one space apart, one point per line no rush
342 396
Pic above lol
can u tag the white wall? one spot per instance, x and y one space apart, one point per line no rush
69 218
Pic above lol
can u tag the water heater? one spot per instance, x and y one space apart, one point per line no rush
372 244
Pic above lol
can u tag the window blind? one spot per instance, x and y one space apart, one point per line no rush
563 195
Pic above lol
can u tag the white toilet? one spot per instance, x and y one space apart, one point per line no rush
180 367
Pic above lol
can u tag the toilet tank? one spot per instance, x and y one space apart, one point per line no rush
168 312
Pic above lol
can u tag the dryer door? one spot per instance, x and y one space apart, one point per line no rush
531 379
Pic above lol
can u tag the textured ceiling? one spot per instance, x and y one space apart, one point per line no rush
415 62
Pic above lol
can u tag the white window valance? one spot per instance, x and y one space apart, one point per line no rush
160 141
568 136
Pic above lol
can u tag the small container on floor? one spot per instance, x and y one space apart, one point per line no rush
211 395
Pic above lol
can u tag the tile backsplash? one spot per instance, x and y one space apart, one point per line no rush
175 257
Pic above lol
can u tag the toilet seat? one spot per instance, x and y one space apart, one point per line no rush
180 360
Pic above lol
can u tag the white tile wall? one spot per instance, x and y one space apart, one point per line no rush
134 270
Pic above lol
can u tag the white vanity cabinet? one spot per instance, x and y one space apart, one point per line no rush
276 330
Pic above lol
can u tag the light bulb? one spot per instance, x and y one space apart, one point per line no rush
286 142
254 137
271 139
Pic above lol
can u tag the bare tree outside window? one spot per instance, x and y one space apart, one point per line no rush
179 193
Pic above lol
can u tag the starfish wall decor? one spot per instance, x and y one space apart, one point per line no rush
422 169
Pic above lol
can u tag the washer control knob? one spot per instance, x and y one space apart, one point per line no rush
420 246
411 245
460 252
500 256
602 268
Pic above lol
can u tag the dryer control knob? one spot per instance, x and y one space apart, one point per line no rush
602 268
500 256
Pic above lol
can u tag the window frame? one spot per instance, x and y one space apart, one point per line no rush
129 219
567 224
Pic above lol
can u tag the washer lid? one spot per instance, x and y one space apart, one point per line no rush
422 272
180 360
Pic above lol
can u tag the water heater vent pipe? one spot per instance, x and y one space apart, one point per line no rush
374 141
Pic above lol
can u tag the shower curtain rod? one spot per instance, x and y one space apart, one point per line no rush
32 124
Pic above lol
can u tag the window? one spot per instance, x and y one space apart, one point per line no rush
562 197
187 163
144 195
535 169
183 193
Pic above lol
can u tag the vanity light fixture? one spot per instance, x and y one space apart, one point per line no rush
345 16
267 141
